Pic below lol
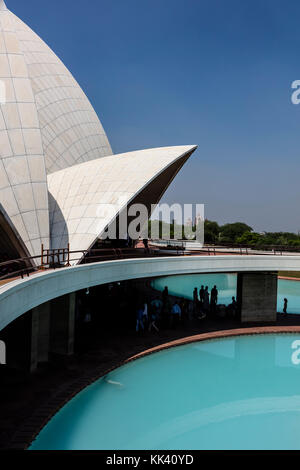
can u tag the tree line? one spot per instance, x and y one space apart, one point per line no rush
242 234
237 233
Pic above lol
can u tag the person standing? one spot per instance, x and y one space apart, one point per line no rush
213 300
201 294
234 307
139 319
157 305
195 302
195 295
165 294
285 302
146 245
145 315
156 308
206 300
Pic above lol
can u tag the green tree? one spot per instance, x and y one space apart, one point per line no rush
250 238
211 231
229 233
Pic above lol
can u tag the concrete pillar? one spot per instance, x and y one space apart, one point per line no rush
62 325
40 335
257 296
34 345
17 338
50 327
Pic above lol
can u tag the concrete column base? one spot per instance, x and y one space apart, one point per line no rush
48 328
257 297
62 325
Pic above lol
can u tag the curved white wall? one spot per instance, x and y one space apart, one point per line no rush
46 123
70 128
20 296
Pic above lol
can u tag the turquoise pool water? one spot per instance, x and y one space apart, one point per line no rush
232 393
183 286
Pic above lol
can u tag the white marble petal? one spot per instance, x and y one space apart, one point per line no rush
81 195
57 170
47 123
24 191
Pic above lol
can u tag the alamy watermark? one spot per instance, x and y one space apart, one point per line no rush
2 353
296 354
176 221
295 98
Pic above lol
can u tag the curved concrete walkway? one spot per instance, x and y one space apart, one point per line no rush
20 296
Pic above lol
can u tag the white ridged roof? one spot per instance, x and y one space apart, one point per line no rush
46 124
81 194
51 138
23 180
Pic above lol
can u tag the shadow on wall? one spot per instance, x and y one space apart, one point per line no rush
59 235
11 244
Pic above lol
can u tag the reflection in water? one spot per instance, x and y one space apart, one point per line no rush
231 393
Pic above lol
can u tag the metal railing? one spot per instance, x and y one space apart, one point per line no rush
226 248
55 259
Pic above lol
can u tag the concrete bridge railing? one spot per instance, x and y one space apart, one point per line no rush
20 296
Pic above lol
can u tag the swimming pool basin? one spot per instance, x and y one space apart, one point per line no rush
240 392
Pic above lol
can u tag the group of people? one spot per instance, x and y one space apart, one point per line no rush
161 312
205 302
127 307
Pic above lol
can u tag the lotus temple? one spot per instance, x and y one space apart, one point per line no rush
57 165
105 347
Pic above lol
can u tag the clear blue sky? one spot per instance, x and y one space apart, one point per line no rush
216 73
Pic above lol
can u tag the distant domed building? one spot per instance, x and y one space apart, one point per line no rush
57 168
